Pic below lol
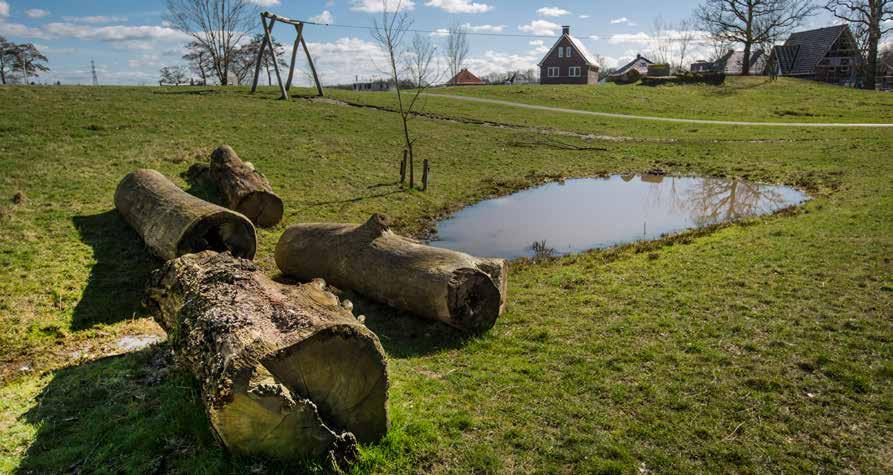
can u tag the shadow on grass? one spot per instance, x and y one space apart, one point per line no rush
201 185
357 198
131 413
115 287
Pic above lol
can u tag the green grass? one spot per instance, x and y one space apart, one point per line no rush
760 346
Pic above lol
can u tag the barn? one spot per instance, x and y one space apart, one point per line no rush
826 54
568 62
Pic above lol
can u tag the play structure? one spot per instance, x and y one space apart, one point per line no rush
268 20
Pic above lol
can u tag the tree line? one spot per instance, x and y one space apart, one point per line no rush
20 62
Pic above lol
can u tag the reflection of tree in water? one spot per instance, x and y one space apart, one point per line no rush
714 200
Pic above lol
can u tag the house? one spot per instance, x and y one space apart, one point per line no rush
732 64
625 74
465 78
376 85
568 62
827 54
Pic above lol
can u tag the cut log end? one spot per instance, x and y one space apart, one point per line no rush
219 232
349 389
262 207
474 300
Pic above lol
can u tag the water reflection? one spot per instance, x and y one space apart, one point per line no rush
589 213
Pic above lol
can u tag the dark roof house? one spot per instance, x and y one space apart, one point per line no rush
826 54
732 63
622 74
568 62
465 78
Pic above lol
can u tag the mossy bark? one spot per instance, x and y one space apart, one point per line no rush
285 371
173 222
460 290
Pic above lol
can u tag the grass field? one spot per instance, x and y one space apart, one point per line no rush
763 346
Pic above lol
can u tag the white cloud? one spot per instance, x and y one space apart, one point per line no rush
484 28
641 38
459 6
36 13
95 20
266 3
441 32
496 62
620 21
339 62
114 32
377 6
536 43
541 28
4 8
583 17
553 11
324 17
594 37
16 29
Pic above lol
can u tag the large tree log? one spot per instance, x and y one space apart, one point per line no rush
245 189
285 371
455 288
173 222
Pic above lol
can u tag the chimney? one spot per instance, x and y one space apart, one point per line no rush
565 30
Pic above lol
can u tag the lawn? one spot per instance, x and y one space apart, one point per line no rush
763 346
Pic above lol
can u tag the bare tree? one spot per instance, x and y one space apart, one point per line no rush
662 42
7 60
251 50
752 22
218 26
869 17
199 60
418 61
456 48
30 61
685 36
175 75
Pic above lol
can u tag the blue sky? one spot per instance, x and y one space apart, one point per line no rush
130 41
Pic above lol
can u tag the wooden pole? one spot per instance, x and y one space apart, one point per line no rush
294 55
312 67
260 55
403 168
425 169
268 37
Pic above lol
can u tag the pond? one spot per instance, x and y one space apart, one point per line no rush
576 215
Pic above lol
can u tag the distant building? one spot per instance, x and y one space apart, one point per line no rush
568 62
376 85
732 64
465 78
623 74
827 54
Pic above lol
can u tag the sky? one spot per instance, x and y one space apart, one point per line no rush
129 40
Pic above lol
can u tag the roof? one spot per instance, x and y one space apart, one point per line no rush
464 77
803 50
578 45
628 66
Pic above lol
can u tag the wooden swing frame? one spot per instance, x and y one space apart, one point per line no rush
268 42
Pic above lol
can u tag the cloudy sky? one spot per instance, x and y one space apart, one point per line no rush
130 41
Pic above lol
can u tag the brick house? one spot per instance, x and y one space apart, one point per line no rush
568 62
465 78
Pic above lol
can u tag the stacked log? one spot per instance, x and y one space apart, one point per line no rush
285 371
460 290
173 223
245 189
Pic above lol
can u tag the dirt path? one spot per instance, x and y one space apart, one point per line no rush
642 117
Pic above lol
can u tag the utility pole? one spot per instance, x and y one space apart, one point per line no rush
93 68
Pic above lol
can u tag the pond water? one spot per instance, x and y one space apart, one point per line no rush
581 214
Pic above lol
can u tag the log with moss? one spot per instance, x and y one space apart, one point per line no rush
460 290
285 371
243 188
173 222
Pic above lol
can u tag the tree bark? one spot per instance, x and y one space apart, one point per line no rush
285 371
460 290
173 222
245 190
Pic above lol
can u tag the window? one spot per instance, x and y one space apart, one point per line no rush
574 72
560 52
567 52
553 72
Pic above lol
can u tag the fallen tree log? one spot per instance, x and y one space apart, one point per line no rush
173 222
245 189
460 290
285 371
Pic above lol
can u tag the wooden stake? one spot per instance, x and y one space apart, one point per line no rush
411 170
403 168
425 169
260 55
268 37
294 55
312 67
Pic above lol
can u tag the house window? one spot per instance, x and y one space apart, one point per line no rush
553 72
574 71
567 52
560 52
